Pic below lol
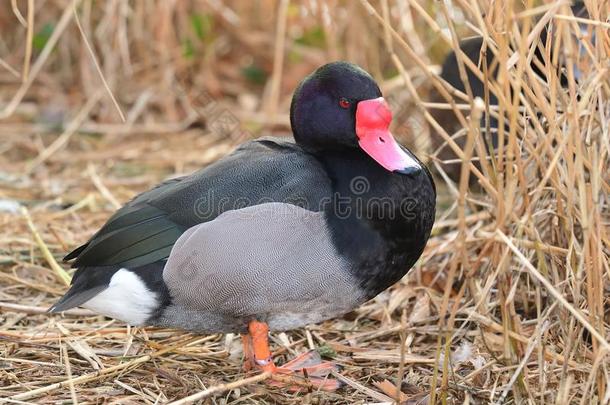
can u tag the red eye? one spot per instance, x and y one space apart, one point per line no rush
344 103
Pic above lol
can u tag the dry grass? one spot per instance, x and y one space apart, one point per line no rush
510 301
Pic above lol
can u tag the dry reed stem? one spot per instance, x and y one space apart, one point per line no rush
29 37
59 271
18 14
222 388
102 188
278 61
94 59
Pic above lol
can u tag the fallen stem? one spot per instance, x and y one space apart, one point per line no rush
62 275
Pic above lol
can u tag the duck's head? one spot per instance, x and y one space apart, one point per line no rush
340 106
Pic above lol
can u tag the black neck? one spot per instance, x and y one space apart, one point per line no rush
379 219
364 190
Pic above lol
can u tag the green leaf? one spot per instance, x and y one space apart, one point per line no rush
314 37
326 352
42 37
254 74
201 25
188 50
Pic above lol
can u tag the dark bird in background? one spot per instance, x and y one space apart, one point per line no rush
474 50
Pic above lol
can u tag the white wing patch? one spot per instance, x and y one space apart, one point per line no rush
127 298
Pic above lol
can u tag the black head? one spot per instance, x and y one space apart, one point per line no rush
323 109
340 105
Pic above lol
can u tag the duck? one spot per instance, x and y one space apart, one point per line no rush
279 234
475 50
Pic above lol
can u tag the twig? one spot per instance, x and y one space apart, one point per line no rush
393 356
10 69
97 66
69 374
29 309
18 13
356 385
278 60
217 389
102 188
28 42
581 20
62 275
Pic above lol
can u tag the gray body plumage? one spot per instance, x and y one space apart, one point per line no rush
223 273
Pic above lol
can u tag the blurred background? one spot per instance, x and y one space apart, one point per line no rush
102 100
223 69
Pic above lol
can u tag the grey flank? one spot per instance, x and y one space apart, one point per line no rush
272 262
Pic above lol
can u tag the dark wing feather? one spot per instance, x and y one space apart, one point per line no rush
150 235
74 254
132 213
145 229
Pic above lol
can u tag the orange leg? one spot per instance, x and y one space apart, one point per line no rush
259 332
306 370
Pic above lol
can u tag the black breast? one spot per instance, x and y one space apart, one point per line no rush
380 221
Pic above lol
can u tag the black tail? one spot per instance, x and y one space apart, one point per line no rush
87 282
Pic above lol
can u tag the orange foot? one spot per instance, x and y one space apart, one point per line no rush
306 371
